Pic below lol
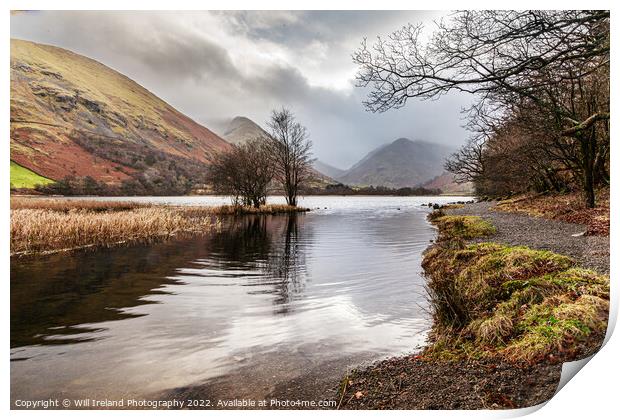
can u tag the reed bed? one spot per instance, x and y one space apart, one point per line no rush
35 231
64 205
43 226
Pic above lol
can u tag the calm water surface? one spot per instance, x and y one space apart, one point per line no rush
263 292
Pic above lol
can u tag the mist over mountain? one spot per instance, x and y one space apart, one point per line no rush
402 163
327 169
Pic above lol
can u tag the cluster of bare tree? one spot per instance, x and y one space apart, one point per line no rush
280 160
540 79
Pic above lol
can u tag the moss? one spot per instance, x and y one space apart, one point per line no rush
491 299
556 324
464 227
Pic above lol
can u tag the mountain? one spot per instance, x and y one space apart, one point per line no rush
328 170
242 129
73 116
402 163
448 185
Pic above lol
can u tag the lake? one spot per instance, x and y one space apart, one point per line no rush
247 311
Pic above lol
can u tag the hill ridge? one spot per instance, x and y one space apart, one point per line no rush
72 115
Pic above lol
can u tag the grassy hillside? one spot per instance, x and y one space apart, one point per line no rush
71 115
24 178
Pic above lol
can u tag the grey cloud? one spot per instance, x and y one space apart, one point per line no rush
187 56
192 70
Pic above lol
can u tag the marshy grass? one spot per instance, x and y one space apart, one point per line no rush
40 226
36 231
64 205
523 304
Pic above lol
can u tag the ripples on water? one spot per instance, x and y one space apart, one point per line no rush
143 319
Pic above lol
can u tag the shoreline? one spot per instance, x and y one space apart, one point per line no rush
425 380
455 373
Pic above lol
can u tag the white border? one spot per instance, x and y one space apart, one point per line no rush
592 394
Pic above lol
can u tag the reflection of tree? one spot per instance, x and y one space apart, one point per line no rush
242 243
287 265
272 245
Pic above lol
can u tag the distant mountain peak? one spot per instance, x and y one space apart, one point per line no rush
241 130
240 120
401 163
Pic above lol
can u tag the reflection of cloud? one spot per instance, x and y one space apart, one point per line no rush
215 65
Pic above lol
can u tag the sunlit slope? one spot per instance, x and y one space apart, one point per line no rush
71 115
24 178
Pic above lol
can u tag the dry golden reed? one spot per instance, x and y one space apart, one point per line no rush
52 224
39 231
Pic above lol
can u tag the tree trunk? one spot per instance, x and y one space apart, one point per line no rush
589 189
587 167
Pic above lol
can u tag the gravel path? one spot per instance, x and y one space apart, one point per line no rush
414 384
517 229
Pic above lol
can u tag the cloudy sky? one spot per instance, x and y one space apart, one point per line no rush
213 66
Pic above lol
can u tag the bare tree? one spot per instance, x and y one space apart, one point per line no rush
243 172
550 62
290 150
467 164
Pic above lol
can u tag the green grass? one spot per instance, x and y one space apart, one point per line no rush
463 227
24 178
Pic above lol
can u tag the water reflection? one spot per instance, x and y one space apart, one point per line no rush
287 265
274 296
54 298
271 247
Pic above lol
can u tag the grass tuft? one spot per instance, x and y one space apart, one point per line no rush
491 299
463 227
265 209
